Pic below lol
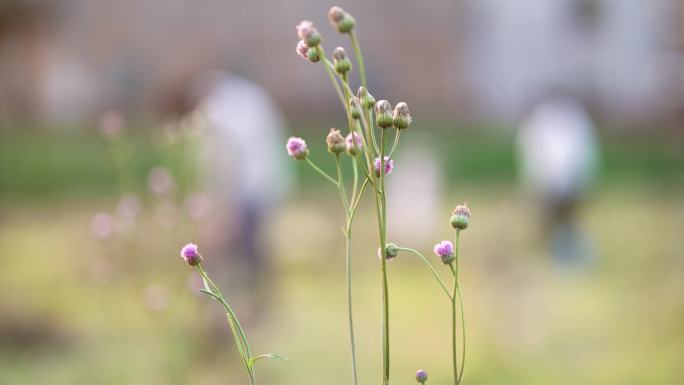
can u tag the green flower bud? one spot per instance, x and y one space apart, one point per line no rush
460 218
367 100
343 21
335 142
355 107
340 61
383 114
402 117
391 251
313 54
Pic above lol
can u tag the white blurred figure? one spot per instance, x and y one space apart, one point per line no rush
558 155
246 172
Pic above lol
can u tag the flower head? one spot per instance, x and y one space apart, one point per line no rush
367 100
307 32
296 148
389 165
302 49
335 141
190 253
351 147
460 218
401 117
445 251
355 107
340 61
421 376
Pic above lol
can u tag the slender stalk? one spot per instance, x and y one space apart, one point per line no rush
432 269
349 300
359 58
323 173
463 336
383 242
396 142
331 73
454 345
340 185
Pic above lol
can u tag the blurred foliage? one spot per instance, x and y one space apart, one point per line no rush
78 163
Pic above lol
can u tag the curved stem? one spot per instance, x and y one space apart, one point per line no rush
432 269
396 142
330 69
323 173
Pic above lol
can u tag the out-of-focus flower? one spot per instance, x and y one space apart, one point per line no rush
160 181
307 32
111 123
197 205
421 376
302 49
296 148
351 147
129 206
102 226
389 165
190 253
445 251
343 21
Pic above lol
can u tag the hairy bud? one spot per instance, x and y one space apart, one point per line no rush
391 251
307 32
335 142
340 19
383 114
190 253
313 54
355 107
445 251
421 376
297 148
340 61
402 117
367 100
460 218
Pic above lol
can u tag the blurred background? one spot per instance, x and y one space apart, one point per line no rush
130 128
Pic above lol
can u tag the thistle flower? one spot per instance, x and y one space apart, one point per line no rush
421 376
391 251
340 61
355 107
190 253
340 19
460 218
402 117
351 147
445 251
335 141
296 148
383 114
389 165
307 32
302 49
367 100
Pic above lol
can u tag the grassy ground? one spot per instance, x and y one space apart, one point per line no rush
77 311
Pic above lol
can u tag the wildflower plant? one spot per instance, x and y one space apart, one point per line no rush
371 125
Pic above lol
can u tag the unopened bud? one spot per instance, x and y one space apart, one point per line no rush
307 32
335 142
402 117
391 251
355 107
313 54
343 21
460 218
367 100
383 114
340 61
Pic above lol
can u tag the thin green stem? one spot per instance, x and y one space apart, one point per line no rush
349 300
454 345
383 240
463 335
323 173
396 142
359 58
330 69
355 180
429 265
340 184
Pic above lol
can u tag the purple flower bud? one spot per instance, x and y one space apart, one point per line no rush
351 147
421 376
389 165
191 254
445 251
302 49
460 218
296 148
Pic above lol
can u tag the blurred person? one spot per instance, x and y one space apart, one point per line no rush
558 159
244 175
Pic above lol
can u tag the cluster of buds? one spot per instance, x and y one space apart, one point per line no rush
340 19
309 39
400 118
